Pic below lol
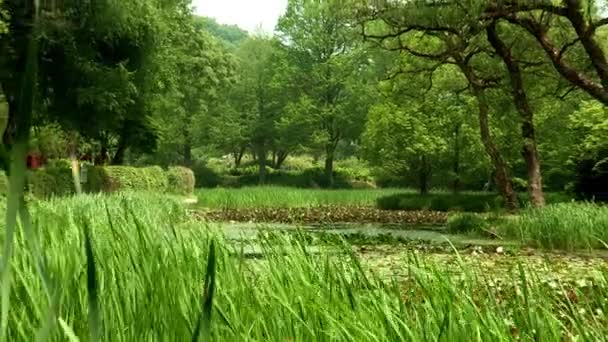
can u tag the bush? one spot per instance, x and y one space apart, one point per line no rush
50 181
119 178
466 223
181 180
156 177
3 184
564 226
477 202
205 176
470 202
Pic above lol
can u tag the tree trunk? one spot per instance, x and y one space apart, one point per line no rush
274 159
238 157
329 166
261 155
530 150
456 162
187 147
8 136
281 157
423 175
119 156
503 179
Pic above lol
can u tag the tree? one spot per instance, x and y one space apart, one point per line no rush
231 35
97 67
403 141
590 125
420 36
581 58
522 104
201 70
324 47
462 26
258 97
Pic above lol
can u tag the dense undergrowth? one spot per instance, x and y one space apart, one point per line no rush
151 263
563 226
465 201
384 199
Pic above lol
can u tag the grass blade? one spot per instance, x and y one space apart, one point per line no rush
69 333
203 326
92 287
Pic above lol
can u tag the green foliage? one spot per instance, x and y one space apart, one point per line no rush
590 126
50 182
333 80
463 223
3 19
231 35
568 226
468 202
476 202
125 178
180 180
157 178
3 184
401 141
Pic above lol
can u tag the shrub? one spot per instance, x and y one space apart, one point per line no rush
466 223
206 177
50 181
156 177
181 180
471 202
564 226
119 178
3 184
477 202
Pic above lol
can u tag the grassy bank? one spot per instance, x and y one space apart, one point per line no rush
566 226
386 199
151 264
286 197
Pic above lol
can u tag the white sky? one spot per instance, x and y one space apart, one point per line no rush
247 14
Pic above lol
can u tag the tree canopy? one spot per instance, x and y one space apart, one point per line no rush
416 91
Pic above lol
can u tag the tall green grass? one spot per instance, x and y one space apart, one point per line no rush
153 285
566 226
283 197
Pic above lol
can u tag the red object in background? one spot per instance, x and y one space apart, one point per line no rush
35 161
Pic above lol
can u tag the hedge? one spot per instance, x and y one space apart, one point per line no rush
50 182
181 180
3 184
57 181
118 178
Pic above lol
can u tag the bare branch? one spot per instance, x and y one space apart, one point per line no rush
599 23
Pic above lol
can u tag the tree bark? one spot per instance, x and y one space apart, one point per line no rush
119 156
576 77
502 177
530 149
456 161
423 175
261 155
238 157
281 157
329 166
